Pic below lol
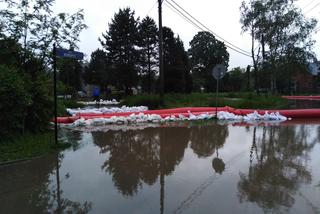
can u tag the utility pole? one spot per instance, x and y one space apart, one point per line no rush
161 52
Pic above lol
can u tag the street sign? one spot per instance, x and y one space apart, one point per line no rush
59 52
69 54
219 71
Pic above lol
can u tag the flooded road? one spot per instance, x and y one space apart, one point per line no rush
186 167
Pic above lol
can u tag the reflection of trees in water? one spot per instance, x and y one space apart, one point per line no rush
135 155
280 167
29 187
205 139
138 156
72 137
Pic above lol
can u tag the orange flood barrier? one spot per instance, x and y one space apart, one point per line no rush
292 113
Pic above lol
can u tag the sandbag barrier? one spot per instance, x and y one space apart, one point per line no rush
190 113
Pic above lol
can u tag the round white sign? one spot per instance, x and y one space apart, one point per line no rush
219 71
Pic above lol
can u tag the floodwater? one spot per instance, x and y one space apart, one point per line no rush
185 167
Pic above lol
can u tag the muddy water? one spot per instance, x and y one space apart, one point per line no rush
179 168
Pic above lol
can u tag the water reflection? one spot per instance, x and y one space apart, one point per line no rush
278 167
137 156
176 168
72 137
34 187
206 139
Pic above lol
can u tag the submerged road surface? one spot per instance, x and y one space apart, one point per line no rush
184 167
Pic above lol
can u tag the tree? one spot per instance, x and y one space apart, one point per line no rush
14 101
176 63
282 32
28 30
121 42
10 52
70 72
34 24
234 80
206 52
148 43
98 72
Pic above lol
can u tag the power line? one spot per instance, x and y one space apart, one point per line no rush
177 11
312 8
307 5
209 29
234 48
197 26
171 7
152 7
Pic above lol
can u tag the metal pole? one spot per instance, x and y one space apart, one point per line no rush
161 177
58 184
55 93
161 74
217 91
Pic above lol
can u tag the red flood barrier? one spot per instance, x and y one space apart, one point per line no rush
160 111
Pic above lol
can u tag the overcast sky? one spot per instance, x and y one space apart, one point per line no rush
222 17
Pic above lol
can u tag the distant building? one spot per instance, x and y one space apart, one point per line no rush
307 82
303 82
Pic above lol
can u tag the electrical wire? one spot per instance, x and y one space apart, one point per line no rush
317 29
312 8
307 5
183 16
236 47
152 7
231 46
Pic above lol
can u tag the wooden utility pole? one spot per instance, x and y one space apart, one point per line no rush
161 52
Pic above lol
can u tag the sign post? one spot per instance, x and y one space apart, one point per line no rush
62 53
218 72
55 93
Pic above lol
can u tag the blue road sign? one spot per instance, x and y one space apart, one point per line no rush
69 54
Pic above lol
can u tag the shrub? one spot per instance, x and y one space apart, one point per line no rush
14 100
151 101
40 111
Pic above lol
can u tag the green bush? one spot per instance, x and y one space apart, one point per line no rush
234 99
63 104
14 100
151 101
40 111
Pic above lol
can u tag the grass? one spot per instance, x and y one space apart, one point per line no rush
70 103
29 146
234 99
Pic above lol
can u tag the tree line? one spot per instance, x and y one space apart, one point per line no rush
129 57
281 48
281 42
28 29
